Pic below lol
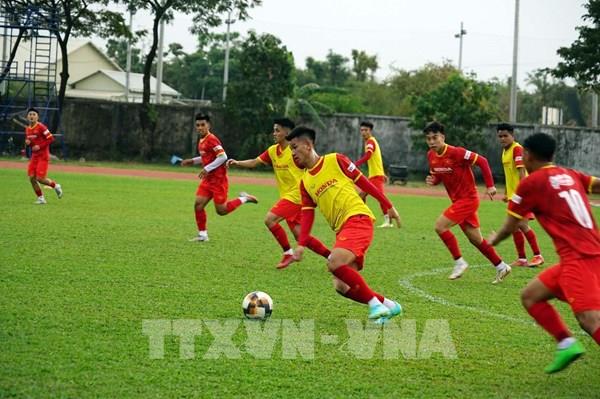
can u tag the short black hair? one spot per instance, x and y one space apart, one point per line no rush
202 117
367 124
284 122
541 145
434 127
31 109
302 131
505 126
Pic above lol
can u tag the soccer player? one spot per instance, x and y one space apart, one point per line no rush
39 138
287 175
452 167
328 183
514 172
214 184
557 197
372 157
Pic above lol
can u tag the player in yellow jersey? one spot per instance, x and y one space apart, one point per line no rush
372 157
328 183
287 175
514 172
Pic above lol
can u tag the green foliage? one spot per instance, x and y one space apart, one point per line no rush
345 102
361 63
333 71
463 105
265 80
80 275
117 50
580 60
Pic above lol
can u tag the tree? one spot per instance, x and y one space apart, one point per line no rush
75 17
207 13
333 71
266 71
580 60
117 50
463 105
361 63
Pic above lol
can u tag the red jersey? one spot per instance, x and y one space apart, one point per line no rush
209 148
453 168
557 197
39 135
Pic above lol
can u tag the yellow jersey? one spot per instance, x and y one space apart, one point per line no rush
375 163
287 173
512 161
330 186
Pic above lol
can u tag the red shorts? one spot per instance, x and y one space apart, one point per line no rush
378 181
463 212
356 235
576 282
215 190
38 167
288 210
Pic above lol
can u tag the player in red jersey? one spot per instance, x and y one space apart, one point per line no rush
557 197
452 167
329 183
214 184
287 175
39 138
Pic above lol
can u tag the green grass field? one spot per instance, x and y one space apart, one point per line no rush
80 276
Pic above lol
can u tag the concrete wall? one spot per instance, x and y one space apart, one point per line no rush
110 130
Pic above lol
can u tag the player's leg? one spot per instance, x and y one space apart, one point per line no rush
379 183
272 220
41 173
442 227
224 207
31 172
535 297
519 240
313 243
471 229
529 234
580 281
203 196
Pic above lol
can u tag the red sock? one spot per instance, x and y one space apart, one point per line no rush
489 252
532 240
519 240
201 220
451 243
233 205
38 191
549 319
280 235
596 336
318 247
359 290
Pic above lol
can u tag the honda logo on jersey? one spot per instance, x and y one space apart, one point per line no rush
561 180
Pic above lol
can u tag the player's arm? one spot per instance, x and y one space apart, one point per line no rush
511 224
218 161
595 185
262 159
432 179
48 138
306 221
486 171
521 203
370 148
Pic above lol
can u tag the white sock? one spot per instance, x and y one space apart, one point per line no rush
289 252
374 302
459 260
565 343
386 219
389 303
203 233
500 266
244 199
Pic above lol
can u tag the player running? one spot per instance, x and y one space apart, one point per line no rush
287 175
372 157
452 167
514 172
214 184
39 138
328 183
557 197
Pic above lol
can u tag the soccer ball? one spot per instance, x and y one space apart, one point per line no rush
257 305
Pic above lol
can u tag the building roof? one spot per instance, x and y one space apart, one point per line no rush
135 82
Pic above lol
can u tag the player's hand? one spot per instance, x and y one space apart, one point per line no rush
395 216
202 173
504 198
231 162
187 162
35 148
298 252
491 191
27 142
430 180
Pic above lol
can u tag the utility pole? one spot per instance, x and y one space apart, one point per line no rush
159 61
128 67
595 110
513 84
226 69
459 36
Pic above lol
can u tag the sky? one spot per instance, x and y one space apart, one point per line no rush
408 34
